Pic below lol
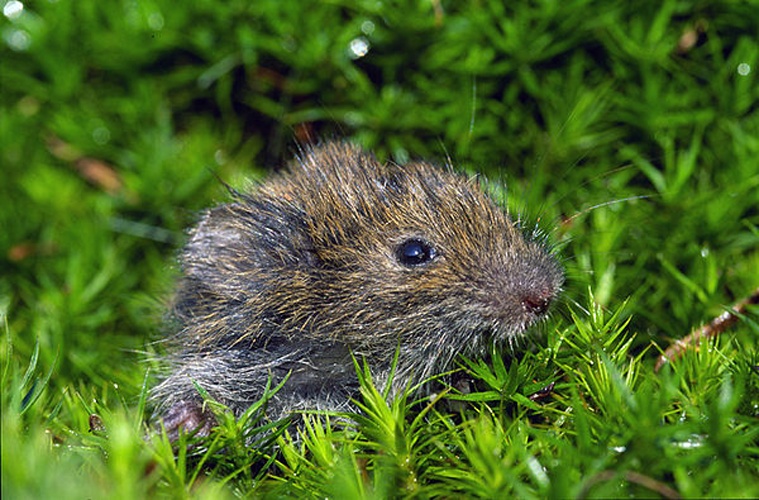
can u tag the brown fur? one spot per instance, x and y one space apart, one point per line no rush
305 270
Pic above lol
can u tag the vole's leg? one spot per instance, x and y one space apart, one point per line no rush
188 417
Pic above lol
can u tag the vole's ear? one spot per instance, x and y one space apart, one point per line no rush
234 244
215 267
218 254
217 236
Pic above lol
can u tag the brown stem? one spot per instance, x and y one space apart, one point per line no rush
709 330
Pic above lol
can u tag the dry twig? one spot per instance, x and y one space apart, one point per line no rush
712 329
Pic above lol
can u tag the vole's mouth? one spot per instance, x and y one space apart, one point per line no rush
507 329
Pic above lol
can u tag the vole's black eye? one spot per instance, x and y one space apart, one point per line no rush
415 252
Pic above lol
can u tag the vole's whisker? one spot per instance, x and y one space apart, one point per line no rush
606 204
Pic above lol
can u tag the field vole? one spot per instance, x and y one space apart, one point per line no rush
345 255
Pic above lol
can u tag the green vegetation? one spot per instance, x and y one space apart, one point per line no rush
628 130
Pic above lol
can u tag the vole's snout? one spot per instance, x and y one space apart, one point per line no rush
519 308
524 296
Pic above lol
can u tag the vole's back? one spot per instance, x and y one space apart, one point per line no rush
345 255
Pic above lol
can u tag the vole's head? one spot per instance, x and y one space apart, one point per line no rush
344 249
